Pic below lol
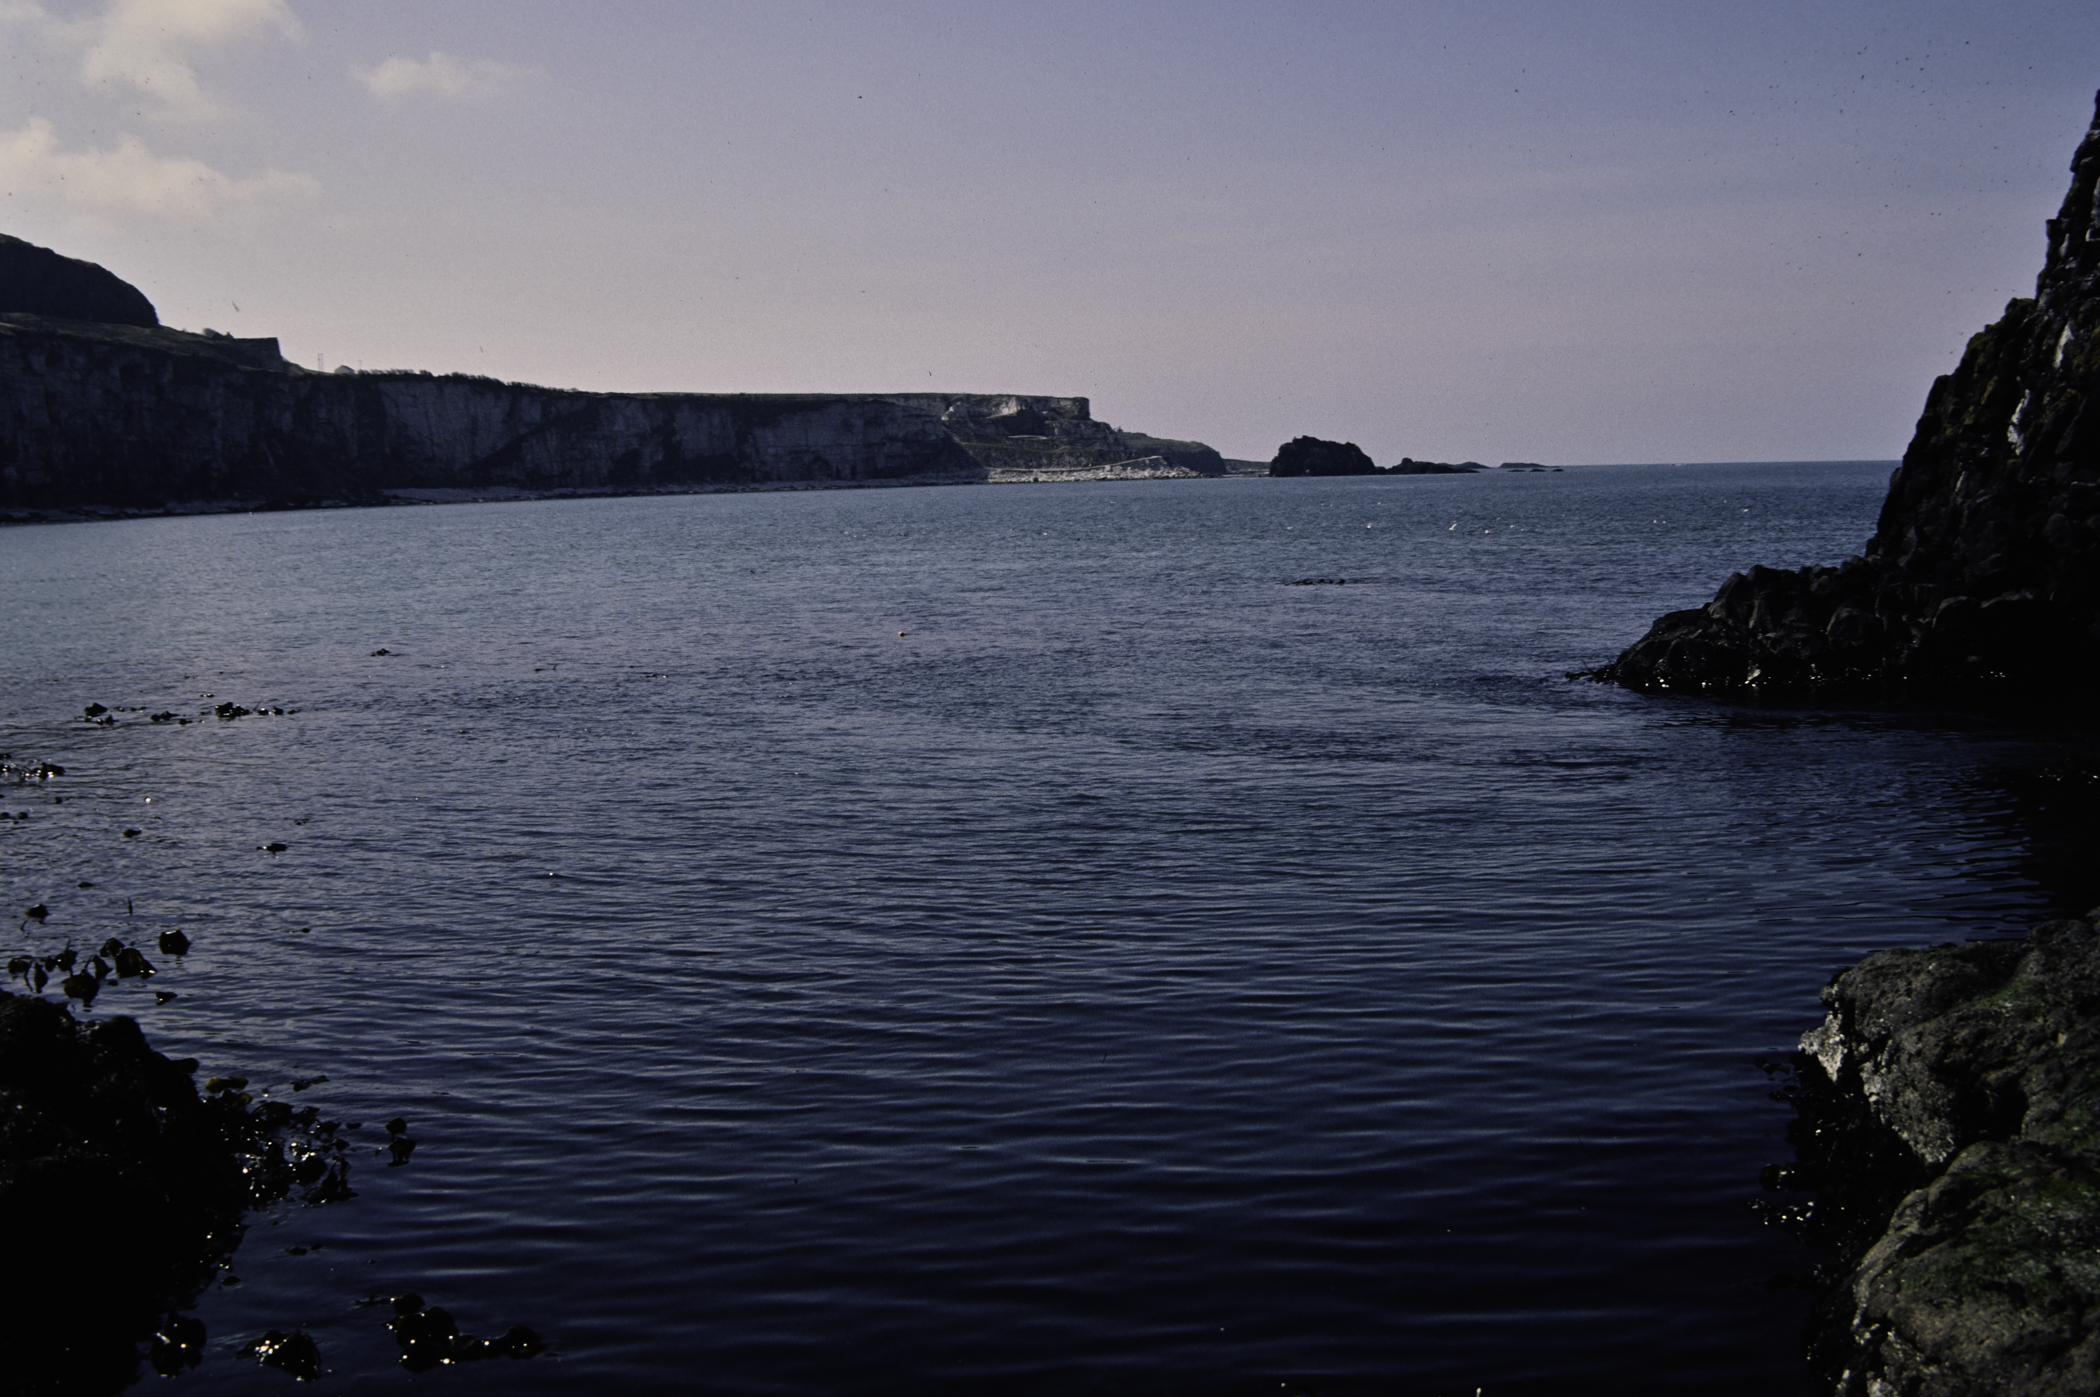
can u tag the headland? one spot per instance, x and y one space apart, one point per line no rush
104 411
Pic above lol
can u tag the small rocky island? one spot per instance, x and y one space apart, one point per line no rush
1302 456
1948 1109
105 410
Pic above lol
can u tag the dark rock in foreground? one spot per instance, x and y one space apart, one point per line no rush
1312 456
118 1187
121 1189
1947 1123
1983 575
38 281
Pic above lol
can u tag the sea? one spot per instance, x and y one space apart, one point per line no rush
1170 937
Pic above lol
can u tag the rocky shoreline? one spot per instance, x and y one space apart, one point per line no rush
1982 579
127 1184
123 1186
1947 1107
1947 1156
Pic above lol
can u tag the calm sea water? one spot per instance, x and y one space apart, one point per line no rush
1137 976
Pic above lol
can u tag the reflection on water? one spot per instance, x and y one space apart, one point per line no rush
1141 975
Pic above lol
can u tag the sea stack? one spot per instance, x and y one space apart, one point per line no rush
1312 456
1983 575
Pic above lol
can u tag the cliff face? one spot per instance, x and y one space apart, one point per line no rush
102 408
102 415
1984 571
129 417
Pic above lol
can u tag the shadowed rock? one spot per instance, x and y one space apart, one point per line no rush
1408 465
294 1353
1948 1125
38 281
430 1337
1983 575
1312 456
122 1188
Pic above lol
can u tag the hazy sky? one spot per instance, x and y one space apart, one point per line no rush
1534 229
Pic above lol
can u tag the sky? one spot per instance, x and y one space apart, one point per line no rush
1526 230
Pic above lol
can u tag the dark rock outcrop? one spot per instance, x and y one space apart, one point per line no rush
1983 576
37 281
1949 1127
120 1187
1312 456
1408 465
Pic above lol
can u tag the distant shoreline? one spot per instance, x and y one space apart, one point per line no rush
417 496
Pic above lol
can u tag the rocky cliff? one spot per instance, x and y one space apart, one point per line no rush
1949 1129
128 415
1023 438
38 281
1983 575
102 415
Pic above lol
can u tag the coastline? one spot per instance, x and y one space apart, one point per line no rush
413 497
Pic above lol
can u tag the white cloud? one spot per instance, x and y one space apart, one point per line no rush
25 12
442 75
131 180
148 45
145 44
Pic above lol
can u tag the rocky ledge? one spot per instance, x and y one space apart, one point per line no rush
1946 1134
1983 575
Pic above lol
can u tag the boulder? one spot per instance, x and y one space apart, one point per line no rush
1948 1125
123 1188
